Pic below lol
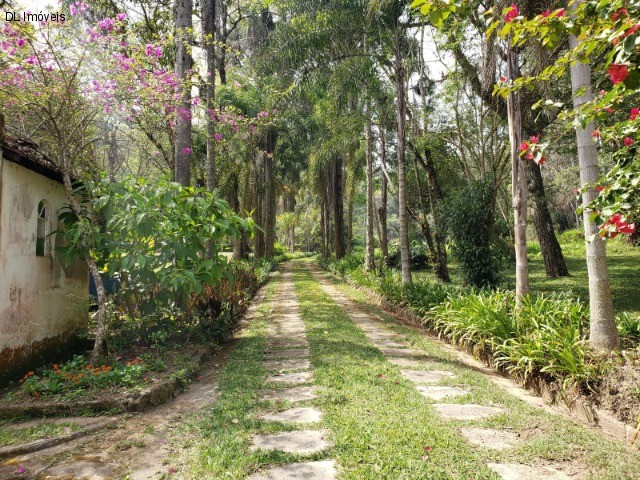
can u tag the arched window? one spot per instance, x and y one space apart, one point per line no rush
42 241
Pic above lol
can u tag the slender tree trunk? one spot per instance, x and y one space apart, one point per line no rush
382 211
603 334
208 41
324 224
369 264
349 237
183 61
338 208
554 262
424 222
519 181
258 207
435 197
405 260
100 346
234 203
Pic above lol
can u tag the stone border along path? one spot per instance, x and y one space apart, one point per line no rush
287 360
415 368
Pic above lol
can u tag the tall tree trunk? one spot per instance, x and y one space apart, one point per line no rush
405 260
269 192
435 197
603 334
208 41
258 204
338 208
369 264
382 211
183 61
289 206
349 233
324 222
554 262
234 202
424 221
519 181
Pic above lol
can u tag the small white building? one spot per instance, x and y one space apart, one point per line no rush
43 303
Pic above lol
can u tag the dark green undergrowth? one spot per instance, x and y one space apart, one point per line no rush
545 437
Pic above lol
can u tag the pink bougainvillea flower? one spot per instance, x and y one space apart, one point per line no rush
22 470
634 113
618 73
511 13
628 141
546 13
252 128
121 17
524 146
186 150
218 137
535 139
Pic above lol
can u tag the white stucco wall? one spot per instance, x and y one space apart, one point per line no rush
41 301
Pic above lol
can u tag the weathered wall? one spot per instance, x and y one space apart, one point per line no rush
42 303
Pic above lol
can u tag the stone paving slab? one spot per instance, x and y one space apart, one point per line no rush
296 415
298 441
388 344
294 394
401 352
298 377
287 353
426 376
515 471
440 392
286 342
490 438
324 470
288 364
406 362
454 411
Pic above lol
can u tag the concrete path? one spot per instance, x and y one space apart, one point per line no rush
286 341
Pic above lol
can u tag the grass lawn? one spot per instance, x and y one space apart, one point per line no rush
624 269
394 419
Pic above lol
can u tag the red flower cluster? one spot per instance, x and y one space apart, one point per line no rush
528 150
634 113
615 225
618 73
620 13
511 14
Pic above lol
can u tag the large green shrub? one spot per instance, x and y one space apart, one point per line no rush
471 224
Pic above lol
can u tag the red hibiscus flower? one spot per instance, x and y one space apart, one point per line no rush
634 113
618 73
